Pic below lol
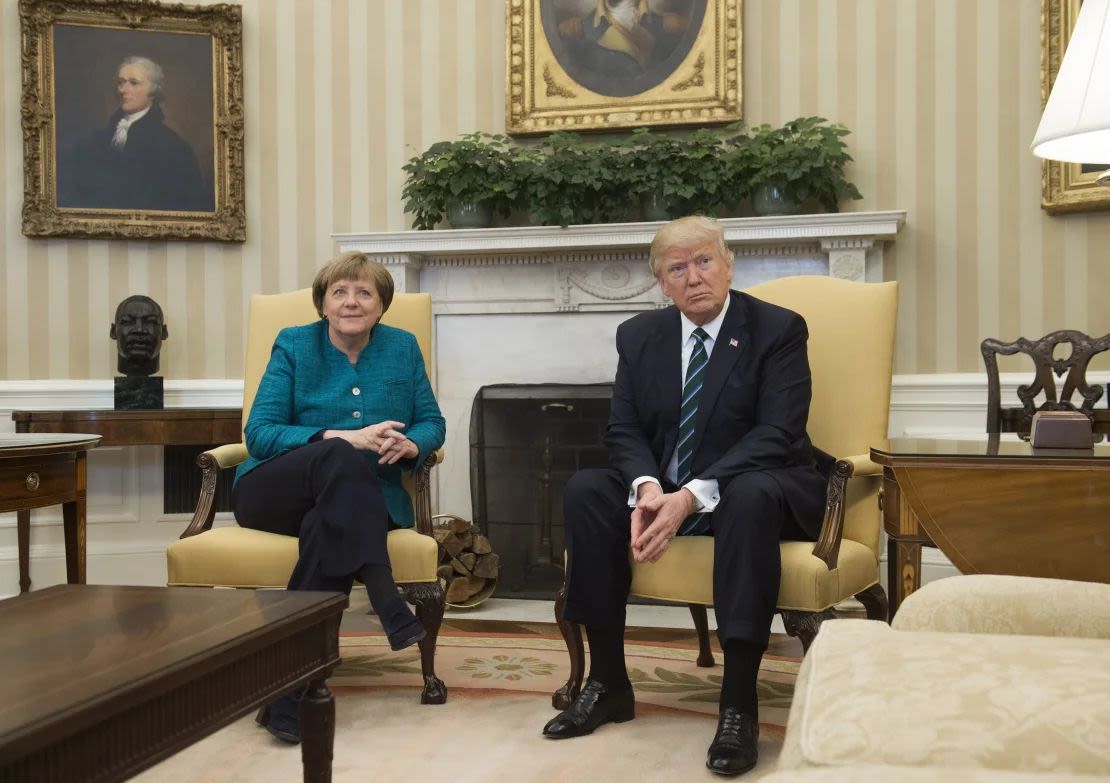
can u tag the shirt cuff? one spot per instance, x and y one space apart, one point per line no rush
636 485
319 435
706 493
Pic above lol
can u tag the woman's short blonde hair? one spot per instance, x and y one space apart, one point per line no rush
684 232
352 265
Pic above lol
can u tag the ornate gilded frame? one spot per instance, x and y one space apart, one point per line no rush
541 97
41 215
1065 187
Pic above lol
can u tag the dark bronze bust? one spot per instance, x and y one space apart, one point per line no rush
139 329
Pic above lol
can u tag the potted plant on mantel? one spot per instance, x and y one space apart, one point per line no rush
803 161
567 179
468 180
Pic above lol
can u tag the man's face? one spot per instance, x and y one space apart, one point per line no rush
134 88
696 278
139 331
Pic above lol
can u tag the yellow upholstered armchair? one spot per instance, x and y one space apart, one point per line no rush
235 556
851 352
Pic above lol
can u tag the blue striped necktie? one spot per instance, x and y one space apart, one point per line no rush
697 523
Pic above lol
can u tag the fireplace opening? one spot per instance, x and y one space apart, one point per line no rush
526 441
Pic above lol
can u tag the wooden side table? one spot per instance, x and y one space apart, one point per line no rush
47 470
182 432
167 427
994 506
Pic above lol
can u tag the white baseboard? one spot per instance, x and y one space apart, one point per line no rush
920 405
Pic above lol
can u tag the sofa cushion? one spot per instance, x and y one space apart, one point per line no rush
867 694
990 603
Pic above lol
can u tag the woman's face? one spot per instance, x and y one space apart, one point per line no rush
134 89
352 307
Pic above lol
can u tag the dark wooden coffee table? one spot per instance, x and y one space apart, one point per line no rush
102 682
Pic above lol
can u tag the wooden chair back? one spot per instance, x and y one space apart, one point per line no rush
1047 368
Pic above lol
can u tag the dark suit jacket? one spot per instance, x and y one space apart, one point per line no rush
751 413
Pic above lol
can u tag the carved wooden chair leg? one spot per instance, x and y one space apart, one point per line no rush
572 635
874 601
701 624
804 625
430 601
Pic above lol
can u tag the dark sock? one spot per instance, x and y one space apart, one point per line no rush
607 657
741 671
388 604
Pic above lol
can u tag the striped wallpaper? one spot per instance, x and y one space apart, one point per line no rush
943 97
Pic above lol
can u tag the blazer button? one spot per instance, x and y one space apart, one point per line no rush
356 391
357 414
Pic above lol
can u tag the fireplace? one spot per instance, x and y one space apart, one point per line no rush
532 305
526 440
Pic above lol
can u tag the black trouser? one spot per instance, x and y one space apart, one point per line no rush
326 493
747 525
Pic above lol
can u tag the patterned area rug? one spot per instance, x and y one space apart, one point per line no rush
663 675
499 697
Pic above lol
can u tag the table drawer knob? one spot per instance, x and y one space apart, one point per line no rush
32 481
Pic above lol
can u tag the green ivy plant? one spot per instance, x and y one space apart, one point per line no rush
566 179
476 168
805 157
686 174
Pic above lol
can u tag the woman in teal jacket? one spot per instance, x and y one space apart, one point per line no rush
343 408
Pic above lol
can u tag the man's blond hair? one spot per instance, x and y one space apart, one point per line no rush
684 232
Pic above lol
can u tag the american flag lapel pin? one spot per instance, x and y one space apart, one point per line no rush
733 342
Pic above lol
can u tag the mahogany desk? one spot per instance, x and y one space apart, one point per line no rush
995 507
45 470
102 682
170 427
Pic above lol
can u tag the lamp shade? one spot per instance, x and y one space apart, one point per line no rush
1075 126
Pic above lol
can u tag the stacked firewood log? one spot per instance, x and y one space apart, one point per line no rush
467 562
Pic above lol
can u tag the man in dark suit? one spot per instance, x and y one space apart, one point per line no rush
707 436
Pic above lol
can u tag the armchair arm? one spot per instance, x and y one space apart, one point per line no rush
211 462
422 492
827 547
863 466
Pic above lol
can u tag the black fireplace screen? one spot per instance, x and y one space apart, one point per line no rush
526 440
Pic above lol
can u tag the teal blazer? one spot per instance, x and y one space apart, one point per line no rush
310 385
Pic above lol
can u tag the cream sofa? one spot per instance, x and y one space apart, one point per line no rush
981 678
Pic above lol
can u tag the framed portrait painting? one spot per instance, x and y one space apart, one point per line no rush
1065 187
132 120
616 64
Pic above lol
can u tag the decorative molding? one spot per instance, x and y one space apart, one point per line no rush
522 240
99 393
925 397
546 269
921 405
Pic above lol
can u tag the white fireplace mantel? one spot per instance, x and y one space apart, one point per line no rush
603 267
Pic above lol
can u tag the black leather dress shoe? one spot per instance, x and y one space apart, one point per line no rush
595 706
282 718
406 636
734 748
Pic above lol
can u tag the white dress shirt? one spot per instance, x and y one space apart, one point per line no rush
705 491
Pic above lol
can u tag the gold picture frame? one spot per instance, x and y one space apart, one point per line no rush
1065 187
617 64
132 120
